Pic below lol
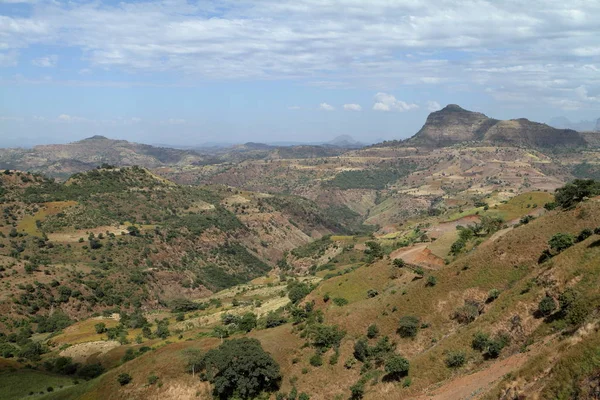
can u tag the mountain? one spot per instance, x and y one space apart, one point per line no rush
65 159
453 124
345 141
581 126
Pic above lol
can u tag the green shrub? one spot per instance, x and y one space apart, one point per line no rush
561 241
396 367
124 378
316 360
372 331
455 359
431 280
340 301
546 306
409 326
480 341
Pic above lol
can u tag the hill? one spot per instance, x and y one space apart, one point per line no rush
453 124
512 314
65 159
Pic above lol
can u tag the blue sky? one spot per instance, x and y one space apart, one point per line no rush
185 73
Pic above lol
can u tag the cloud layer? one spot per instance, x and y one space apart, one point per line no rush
545 50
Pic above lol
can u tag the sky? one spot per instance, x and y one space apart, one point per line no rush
191 72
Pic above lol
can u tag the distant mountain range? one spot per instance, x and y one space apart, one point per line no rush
581 126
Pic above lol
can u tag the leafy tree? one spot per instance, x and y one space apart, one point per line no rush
100 327
561 241
247 322
326 336
297 291
240 368
409 326
374 250
396 367
574 192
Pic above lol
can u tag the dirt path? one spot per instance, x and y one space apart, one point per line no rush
474 385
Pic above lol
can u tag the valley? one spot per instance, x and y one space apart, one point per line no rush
460 263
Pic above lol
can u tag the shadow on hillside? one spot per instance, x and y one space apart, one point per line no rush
595 243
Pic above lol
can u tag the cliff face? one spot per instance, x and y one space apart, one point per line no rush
454 124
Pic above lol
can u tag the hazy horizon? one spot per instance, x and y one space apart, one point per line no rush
187 73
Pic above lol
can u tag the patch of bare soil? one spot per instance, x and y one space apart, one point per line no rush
418 255
82 351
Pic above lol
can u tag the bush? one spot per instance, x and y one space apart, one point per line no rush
455 359
547 306
90 371
398 262
361 350
297 291
316 360
396 367
357 391
480 341
409 326
431 280
303 396
584 234
467 313
372 293
240 368
561 241
100 327
152 379
124 378
326 336
492 295
372 331
340 301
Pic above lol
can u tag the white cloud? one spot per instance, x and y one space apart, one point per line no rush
352 107
433 106
46 62
387 102
326 107
543 53
70 118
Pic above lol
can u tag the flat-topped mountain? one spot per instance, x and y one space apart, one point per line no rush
453 124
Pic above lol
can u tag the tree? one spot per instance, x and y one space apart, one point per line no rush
194 360
398 262
574 192
409 326
100 327
247 322
240 368
297 291
374 250
396 367
561 241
